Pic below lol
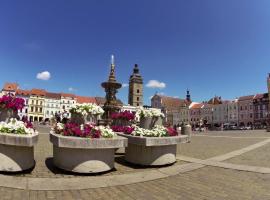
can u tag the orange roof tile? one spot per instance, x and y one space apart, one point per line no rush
68 95
23 92
11 87
82 99
171 102
243 98
38 92
196 106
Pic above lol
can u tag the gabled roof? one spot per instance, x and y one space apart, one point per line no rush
196 106
82 99
23 92
215 100
171 102
38 92
68 95
11 87
52 95
244 98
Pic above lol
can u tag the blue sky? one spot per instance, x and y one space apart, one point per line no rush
212 47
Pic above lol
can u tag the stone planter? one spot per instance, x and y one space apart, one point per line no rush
80 119
85 155
150 122
17 152
6 114
152 151
121 122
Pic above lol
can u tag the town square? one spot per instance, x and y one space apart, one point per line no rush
134 100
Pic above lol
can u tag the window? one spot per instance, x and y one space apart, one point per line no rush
32 109
26 110
138 104
250 115
63 107
40 102
138 91
138 98
47 112
40 109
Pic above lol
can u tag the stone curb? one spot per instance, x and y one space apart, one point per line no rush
41 184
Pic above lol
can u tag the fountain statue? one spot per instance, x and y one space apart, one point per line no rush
111 86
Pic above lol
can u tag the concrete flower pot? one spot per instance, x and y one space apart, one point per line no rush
17 152
85 155
152 151
80 119
150 122
6 114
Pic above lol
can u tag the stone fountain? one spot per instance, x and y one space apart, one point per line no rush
111 86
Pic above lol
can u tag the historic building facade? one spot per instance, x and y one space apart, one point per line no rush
260 109
245 110
135 94
36 105
52 105
233 112
24 94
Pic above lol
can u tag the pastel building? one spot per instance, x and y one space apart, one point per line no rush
52 105
67 100
233 112
24 94
260 109
245 110
36 104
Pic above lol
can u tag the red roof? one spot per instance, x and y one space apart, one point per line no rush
68 95
196 106
11 87
23 92
172 102
258 96
244 98
82 99
38 92
53 95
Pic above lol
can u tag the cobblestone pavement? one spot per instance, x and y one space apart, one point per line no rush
206 147
259 157
204 183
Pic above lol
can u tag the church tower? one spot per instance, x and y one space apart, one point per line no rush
135 95
188 98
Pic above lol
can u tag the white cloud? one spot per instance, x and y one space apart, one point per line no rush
124 85
156 84
44 75
71 89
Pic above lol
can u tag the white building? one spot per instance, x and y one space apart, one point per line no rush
220 113
233 112
52 105
67 100
24 94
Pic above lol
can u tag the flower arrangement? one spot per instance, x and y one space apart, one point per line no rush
17 127
84 130
124 129
9 102
157 131
142 112
125 115
86 109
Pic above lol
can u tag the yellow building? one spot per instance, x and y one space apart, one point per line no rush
36 104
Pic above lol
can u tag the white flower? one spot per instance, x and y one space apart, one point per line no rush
152 112
16 127
87 108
